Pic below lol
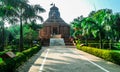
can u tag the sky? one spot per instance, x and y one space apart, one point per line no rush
70 9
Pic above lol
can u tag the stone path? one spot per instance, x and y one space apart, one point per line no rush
62 59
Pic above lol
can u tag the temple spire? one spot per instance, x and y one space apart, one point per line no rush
52 4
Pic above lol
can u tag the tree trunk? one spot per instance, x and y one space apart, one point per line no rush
86 40
21 35
110 44
100 37
2 47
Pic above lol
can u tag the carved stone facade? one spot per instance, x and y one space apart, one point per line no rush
54 25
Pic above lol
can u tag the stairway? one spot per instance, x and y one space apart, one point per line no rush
57 42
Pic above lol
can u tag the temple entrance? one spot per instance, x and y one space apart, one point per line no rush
55 31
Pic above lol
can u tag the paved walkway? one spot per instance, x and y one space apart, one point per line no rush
62 59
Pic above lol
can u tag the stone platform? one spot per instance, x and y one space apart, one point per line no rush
57 42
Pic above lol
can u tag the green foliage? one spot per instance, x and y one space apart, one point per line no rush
10 64
13 48
105 54
1 60
3 52
76 27
18 11
115 56
3 67
117 46
29 34
99 25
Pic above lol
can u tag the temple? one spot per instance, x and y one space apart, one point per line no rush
54 25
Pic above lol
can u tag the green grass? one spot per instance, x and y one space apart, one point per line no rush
1 60
116 51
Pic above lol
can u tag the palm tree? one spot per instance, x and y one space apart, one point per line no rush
95 24
117 25
25 11
112 29
18 6
6 12
32 13
88 27
100 17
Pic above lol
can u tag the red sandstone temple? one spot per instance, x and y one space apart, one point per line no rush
54 25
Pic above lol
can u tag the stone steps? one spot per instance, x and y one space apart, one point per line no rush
57 42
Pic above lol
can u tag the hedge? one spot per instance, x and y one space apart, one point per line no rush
10 64
108 55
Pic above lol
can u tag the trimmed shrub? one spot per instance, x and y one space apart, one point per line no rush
108 55
10 64
3 67
115 56
116 46
3 52
19 59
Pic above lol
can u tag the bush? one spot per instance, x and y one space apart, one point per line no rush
3 52
115 56
19 59
3 67
108 55
116 46
13 48
10 64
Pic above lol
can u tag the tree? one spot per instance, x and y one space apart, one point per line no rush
112 28
100 17
117 25
6 12
95 24
91 13
31 14
29 34
24 11
88 28
76 25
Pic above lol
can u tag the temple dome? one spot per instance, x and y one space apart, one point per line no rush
54 12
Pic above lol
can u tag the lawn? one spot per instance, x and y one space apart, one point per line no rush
116 51
1 60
